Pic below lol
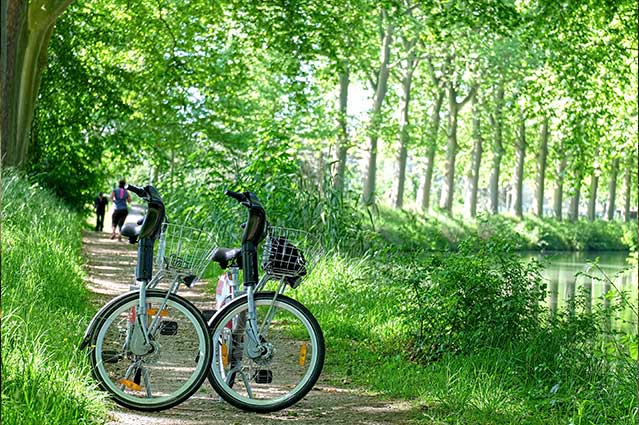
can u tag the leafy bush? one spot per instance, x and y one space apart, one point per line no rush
480 296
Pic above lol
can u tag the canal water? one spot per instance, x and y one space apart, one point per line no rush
569 273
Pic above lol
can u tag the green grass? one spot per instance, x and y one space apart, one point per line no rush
561 372
45 306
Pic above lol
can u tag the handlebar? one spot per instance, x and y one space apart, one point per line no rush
154 217
254 232
238 196
256 224
136 189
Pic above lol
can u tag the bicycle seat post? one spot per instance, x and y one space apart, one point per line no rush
235 276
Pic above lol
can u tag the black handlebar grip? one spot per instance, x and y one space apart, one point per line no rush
137 190
238 196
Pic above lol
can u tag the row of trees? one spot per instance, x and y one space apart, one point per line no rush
466 99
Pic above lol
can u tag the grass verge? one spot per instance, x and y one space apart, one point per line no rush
45 305
565 370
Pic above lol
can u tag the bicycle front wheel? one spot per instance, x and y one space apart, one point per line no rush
169 370
279 370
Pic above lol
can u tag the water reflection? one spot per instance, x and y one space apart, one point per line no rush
561 269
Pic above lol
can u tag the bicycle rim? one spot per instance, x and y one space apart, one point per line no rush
278 378
166 376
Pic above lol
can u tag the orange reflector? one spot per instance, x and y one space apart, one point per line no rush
130 385
153 312
225 355
303 351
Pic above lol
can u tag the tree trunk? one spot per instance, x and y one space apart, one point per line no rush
573 212
628 187
497 148
541 168
448 189
427 178
592 199
520 157
342 135
404 132
368 195
612 189
559 187
473 171
27 29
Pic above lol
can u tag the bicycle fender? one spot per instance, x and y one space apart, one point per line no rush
90 331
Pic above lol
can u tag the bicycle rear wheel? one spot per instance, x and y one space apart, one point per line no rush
284 372
172 370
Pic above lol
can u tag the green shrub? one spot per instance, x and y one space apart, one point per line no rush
480 296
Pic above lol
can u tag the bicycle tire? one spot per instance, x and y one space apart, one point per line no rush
285 376
163 378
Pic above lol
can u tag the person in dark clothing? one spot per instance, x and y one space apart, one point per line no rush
120 198
100 208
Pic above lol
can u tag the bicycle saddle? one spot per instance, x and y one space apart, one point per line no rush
223 256
132 231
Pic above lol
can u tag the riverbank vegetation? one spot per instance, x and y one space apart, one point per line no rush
465 337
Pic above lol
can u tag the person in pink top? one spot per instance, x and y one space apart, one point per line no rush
120 198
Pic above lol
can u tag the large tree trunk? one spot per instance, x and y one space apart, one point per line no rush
448 189
520 157
559 187
541 168
496 119
368 195
628 173
26 29
573 212
404 133
470 205
342 128
592 198
427 178
612 189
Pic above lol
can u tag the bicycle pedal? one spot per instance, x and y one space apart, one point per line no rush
264 376
168 327
110 356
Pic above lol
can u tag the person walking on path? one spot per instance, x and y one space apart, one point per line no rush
100 208
120 198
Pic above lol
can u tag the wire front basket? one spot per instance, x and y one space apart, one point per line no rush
290 254
185 250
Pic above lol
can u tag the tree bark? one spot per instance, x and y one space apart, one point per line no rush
404 129
427 178
520 157
497 148
592 199
473 171
448 189
446 201
628 173
559 187
27 29
342 129
573 212
612 189
368 195
541 168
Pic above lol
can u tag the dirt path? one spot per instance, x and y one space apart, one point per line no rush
111 270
